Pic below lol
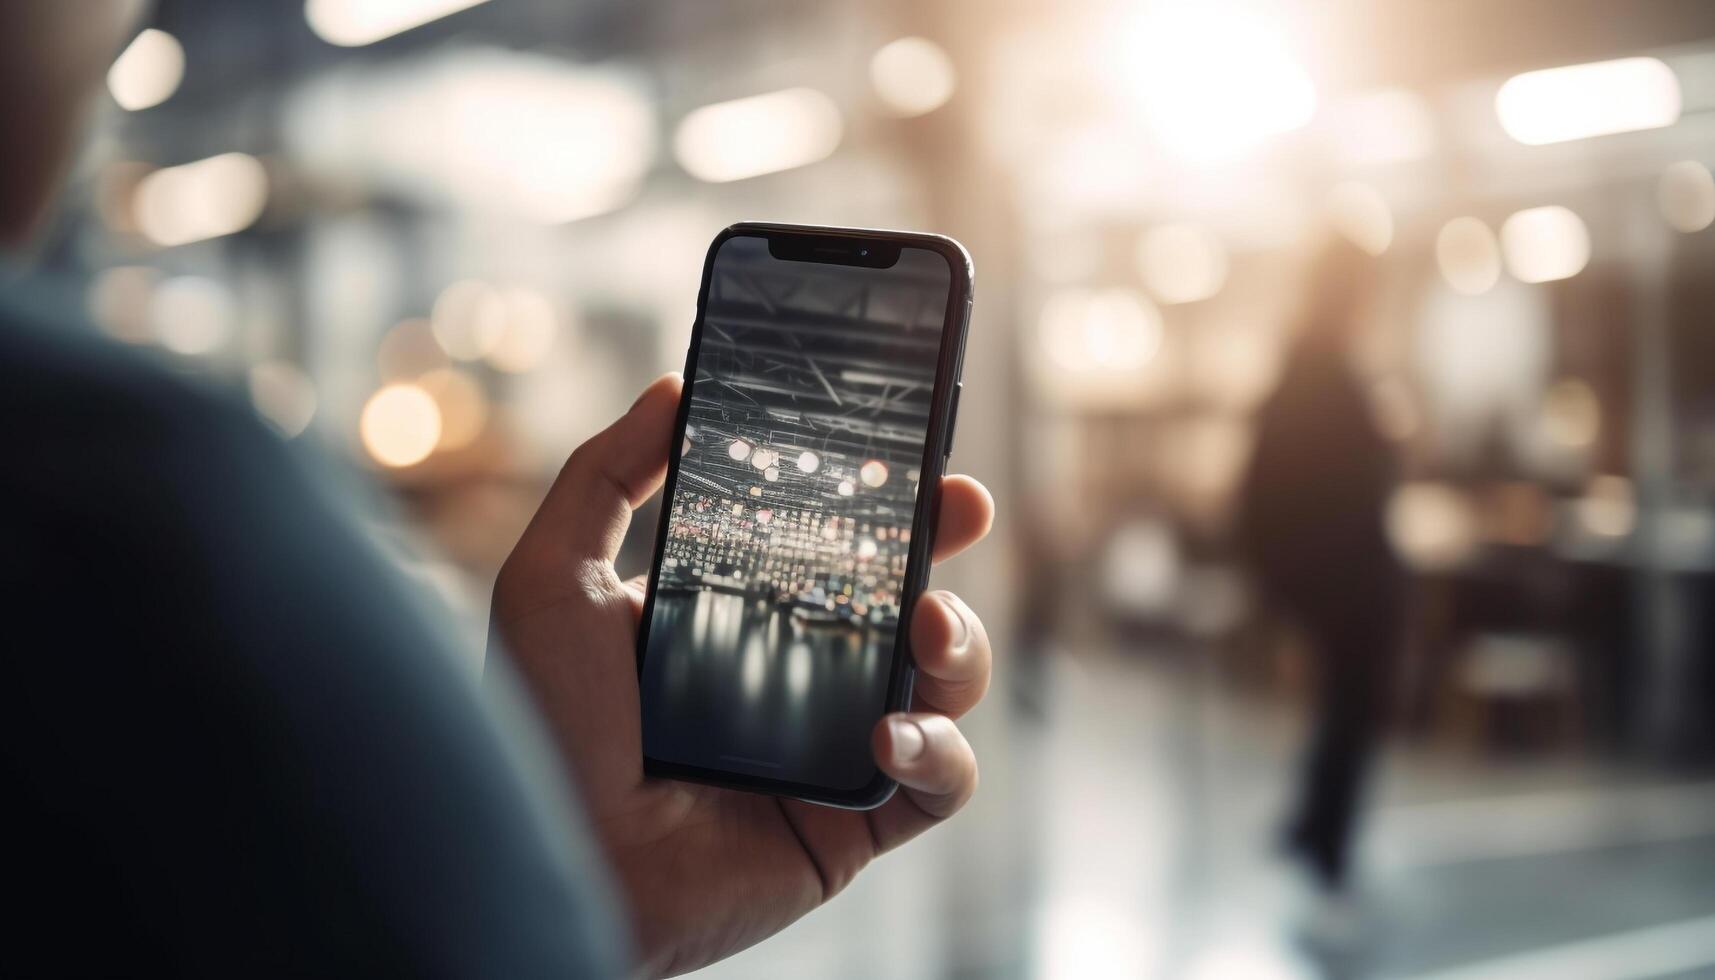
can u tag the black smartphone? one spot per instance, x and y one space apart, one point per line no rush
821 387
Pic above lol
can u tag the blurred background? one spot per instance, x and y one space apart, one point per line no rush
446 240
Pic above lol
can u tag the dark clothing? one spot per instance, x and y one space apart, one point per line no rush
1353 679
1313 513
234 741
1313 521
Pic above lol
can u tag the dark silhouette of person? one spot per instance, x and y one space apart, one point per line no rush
1312 520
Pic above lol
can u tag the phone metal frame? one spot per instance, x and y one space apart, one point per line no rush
937 447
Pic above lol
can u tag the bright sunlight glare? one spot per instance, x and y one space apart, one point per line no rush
1213 79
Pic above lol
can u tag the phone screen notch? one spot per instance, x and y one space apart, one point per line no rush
834 250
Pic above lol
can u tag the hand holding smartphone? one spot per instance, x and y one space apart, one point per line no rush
707 870
821 389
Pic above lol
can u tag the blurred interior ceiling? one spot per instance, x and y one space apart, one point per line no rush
269 41
1364 43
1357 43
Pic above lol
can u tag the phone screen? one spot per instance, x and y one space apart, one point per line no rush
776 615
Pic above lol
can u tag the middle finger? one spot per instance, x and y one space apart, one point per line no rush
951 650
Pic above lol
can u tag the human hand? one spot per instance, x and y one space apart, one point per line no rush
709 871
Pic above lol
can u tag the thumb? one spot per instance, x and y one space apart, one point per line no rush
588 508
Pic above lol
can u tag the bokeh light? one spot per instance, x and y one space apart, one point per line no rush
1580 101
912 76
1468 255
1213 78
1571 414
119 301
400 425
527 334
469 319
499 134
873 473
1544 244
148 71
191 315
1609 507
205 199
756 135
461 403
1182 262
530 136
1102 331
1685 194
353 23
1431 526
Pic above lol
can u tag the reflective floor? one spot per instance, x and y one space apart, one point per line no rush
750 686
1124 828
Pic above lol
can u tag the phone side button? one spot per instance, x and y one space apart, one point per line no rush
953 418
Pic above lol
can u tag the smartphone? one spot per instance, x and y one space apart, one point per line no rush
821 389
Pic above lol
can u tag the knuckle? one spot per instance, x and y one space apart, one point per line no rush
598 582
577 462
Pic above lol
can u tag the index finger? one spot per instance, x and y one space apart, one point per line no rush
589 505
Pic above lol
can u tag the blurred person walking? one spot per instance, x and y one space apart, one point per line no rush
1311 519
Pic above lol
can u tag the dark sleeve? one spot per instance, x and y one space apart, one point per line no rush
238 744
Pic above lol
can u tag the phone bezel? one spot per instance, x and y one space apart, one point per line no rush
936 448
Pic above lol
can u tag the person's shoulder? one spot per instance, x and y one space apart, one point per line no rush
65 388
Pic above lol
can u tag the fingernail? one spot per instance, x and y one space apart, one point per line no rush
962 641
908 740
